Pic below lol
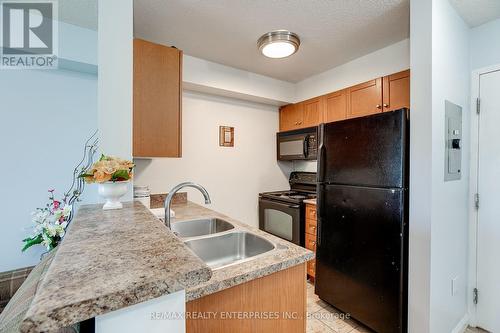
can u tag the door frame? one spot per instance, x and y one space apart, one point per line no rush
473 184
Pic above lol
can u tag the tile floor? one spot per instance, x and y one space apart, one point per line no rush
323 318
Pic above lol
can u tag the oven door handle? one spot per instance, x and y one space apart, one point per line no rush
278 203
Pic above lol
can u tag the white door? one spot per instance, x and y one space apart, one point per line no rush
488 223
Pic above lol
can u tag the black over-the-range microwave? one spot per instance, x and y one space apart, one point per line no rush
301 144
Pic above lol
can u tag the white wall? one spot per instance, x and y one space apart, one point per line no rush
391 59
77 43
47 115
420 166
438 209
139 317
209 77
450 200
115 58
485 45
233 176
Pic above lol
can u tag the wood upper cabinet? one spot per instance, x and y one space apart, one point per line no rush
291 116
382 94
396 91
301 115
335 106
157 100
312 112
365 98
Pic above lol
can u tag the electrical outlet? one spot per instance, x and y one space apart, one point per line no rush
454 286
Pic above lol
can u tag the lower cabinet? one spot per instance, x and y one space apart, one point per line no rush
311 226
281 295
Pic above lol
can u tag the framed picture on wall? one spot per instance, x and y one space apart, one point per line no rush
226 136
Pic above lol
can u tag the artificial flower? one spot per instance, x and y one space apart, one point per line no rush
109 168
49 223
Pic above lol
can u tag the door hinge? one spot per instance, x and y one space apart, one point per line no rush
475 295
476 200
478 105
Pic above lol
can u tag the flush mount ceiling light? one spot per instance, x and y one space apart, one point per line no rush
278 44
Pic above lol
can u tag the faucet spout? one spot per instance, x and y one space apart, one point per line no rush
175 189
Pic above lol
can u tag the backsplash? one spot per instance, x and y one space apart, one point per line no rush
307 166
158 200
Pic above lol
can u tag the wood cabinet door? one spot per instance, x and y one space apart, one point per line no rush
396 88
156 100
335 106
312 112
291 117
365 99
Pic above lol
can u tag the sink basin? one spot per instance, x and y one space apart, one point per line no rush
224 250
200 227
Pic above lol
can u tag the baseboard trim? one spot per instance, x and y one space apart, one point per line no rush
462 325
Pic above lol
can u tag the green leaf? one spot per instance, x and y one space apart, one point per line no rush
103 157
29 242
83 175
120 174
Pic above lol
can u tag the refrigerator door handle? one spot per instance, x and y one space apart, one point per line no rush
319 207
318 232
321 154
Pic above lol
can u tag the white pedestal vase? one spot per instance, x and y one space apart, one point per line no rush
112 192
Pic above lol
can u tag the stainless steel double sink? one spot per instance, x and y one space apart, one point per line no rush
217 243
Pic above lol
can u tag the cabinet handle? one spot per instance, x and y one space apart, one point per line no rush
378 106
386 105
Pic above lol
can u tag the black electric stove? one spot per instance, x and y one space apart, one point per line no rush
282 213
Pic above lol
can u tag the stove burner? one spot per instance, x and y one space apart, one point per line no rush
298 196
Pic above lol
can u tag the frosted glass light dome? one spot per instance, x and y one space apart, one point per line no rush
278 50
278 44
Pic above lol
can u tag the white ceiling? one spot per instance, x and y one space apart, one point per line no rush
477 12
332 32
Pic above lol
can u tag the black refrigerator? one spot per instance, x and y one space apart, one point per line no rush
362 234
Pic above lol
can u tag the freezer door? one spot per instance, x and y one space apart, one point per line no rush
366 151
360 254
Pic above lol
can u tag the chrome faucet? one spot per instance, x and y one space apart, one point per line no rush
168 199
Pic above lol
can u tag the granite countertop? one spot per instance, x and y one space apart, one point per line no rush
109 260
284 255
310 201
